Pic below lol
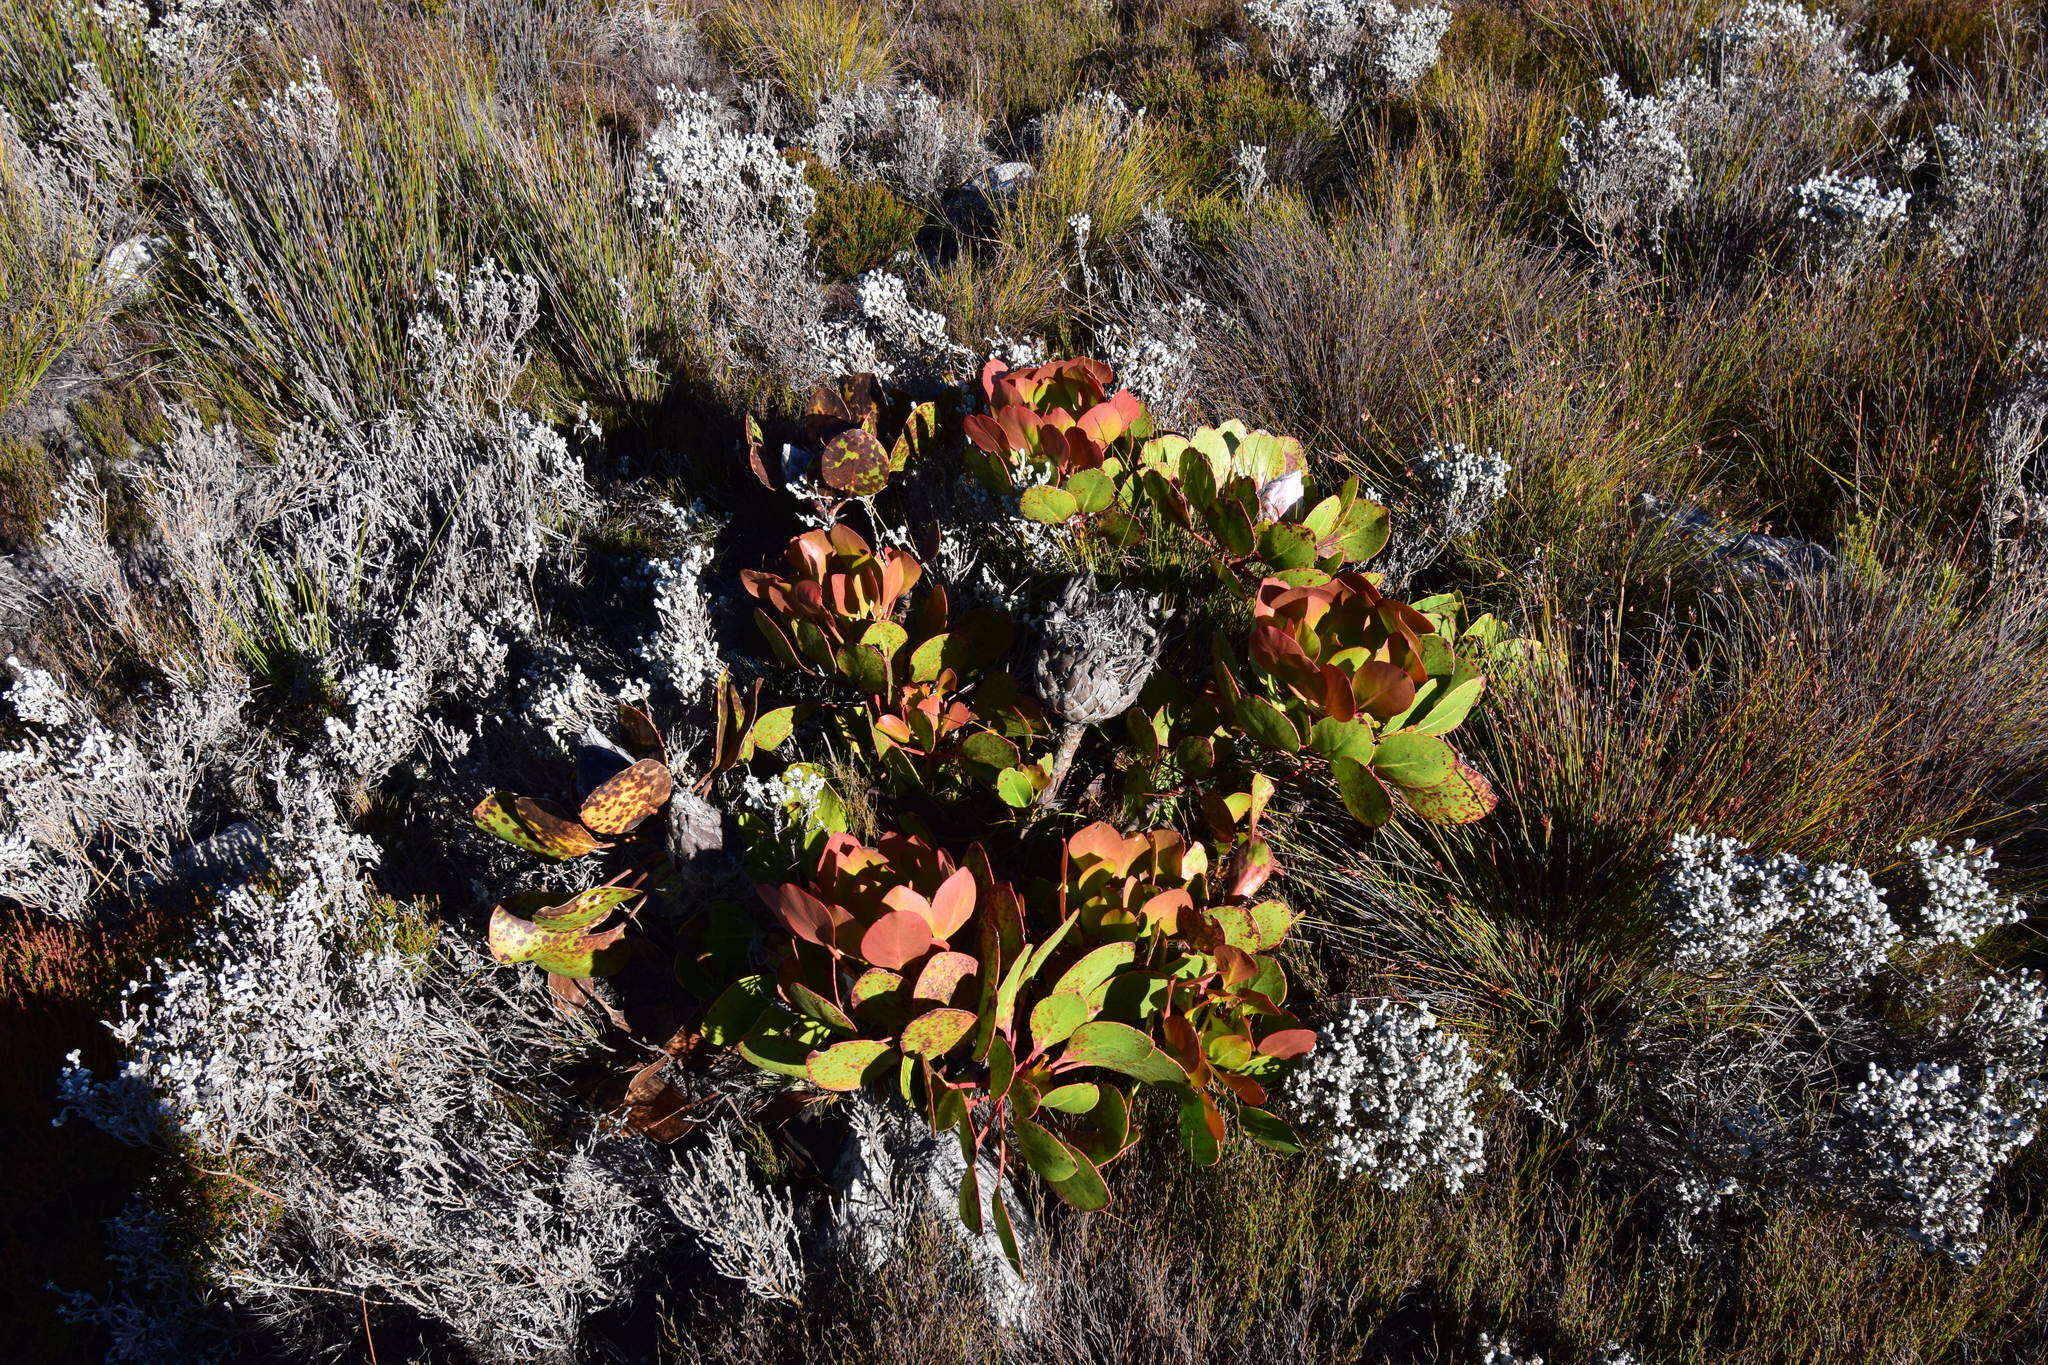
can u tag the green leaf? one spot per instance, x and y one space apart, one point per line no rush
989 748
1363 795
865 667
842 1065
1108 1130
1084 1188
1287 547
1268 1130
1095 968
1448 711
1015 787
1042 1151
1093 490
1002 1066
1461 798
1119 1047
575 953
1075 1097
937 1033
809 1003
1005 1234
1198 1123
1268 724
777 1052
1408 759
579 911
970 1184
1334 738
928 658
738 1008
1047 504
1055 1017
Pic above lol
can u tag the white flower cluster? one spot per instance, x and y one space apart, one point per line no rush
1154 355
902 134
1851 219
1252 171
304 114
190 39
1955 900
1985 174
1800 51
890 337
1504 1350
1391 1089
1463 486
1725 908
787 798
1336 50
683 650
364 1088
1923 1143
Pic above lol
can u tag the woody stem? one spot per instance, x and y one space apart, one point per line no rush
1062 759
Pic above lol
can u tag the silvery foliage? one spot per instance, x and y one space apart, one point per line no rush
734 211
683 649
364 1089
151 1311
1920 1145
1849 221
894 1175
1390 1090
1953 899
1724 908
394 550
901 134
747 1228
190 40
1338 51
2015 515
1775 81
889 337
1252 171
84 808
1630 172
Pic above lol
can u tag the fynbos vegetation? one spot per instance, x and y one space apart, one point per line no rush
1323 680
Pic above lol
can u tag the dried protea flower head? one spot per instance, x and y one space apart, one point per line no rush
1095 652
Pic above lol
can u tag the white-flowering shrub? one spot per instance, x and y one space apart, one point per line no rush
192 40
889 336
1630 172
369 1092
735 212
303 113
1505 1350
683 650
1800 54
1724 908
1779 89
1988 183
1921 1144
1462 486
85 807
1340 51
1154 351
902 134
1850 220
1954 900
1390 1090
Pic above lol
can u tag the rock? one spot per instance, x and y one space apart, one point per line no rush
892 1172
975 203
1772 559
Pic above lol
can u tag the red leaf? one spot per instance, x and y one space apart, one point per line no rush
1288 1043
809 918
953 904
896 939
